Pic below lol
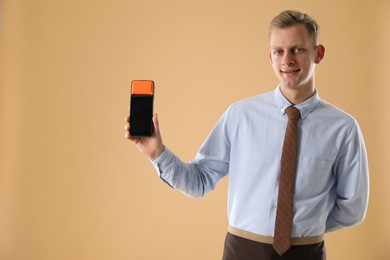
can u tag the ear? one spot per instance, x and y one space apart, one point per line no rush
319 54
270 57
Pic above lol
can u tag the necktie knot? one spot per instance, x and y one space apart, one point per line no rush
293 113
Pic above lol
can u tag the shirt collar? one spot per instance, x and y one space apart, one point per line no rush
305 107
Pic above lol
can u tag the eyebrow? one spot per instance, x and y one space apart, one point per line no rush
292 47
289 48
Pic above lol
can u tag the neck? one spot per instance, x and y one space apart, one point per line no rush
297 95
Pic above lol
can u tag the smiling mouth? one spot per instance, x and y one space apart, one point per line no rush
288 72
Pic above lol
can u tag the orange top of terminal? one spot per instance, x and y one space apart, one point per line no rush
142 87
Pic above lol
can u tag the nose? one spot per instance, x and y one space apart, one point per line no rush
288 59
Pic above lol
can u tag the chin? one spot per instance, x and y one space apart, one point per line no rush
290 85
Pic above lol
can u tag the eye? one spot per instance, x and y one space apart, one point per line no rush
299 50
278 52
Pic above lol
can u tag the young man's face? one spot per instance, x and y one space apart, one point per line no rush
293 57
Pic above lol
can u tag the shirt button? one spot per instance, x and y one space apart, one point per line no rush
273 206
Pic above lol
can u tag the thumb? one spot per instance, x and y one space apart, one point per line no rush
156 123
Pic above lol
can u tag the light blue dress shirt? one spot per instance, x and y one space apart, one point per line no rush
332 182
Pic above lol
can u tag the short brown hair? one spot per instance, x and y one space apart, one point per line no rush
290 17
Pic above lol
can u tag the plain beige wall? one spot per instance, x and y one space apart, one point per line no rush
72 187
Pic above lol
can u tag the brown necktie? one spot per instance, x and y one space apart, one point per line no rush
284 212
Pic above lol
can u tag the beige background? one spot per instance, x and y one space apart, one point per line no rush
72 187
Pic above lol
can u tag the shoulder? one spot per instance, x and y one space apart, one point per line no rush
253 103
332 113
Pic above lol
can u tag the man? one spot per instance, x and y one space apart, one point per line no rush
329 173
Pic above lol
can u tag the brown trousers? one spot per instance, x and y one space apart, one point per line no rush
238 248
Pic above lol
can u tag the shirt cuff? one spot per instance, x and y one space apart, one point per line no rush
162 162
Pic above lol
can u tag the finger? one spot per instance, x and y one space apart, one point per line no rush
155 122
135 140
127 126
